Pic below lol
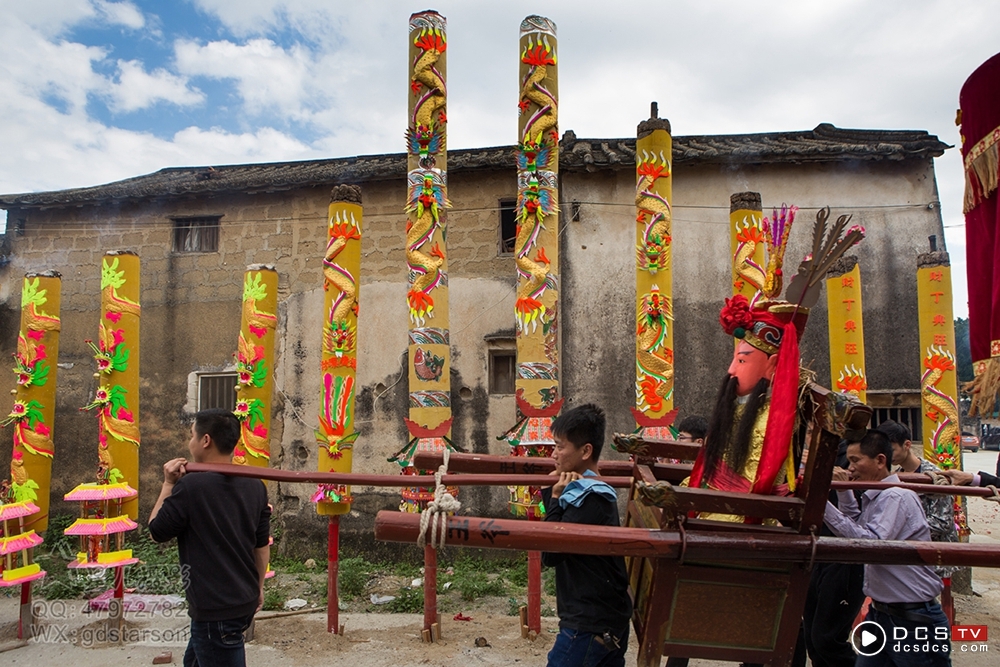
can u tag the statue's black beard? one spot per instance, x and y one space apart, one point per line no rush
727 440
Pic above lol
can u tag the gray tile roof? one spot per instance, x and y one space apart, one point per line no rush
825 143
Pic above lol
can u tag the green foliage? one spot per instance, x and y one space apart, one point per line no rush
408 601
479 585
274 599
353 575
288 565
513 606
406 570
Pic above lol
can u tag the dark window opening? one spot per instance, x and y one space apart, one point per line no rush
196 235
503 369
217 391
508 226
911 418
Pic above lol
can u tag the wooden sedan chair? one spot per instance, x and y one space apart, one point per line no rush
742 611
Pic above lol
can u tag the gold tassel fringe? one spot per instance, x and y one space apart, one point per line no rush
985 388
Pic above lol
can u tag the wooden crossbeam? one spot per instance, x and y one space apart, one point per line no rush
484 532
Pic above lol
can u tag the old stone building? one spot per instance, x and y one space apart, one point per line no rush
196 228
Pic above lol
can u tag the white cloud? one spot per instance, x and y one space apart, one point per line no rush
338 69
268 77
40 68
54 17
137 89
120 13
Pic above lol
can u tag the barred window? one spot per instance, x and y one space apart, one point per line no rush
217 390
196 234
502 371
911 418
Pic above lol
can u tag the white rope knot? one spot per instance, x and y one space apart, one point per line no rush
434 517
996 494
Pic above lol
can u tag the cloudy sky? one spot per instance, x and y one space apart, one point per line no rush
96 90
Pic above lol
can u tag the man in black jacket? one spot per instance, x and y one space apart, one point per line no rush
591 591
222 528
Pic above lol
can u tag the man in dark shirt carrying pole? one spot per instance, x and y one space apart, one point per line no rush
222 528
591 591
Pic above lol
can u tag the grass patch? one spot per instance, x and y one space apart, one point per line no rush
353 575
274 598
408 601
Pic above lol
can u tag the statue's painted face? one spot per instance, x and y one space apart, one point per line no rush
749 366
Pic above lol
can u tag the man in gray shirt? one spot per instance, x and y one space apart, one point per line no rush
903 596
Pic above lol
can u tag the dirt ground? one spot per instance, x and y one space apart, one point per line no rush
70 637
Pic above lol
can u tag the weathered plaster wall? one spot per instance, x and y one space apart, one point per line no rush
191 307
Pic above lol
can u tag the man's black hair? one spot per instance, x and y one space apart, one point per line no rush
896 432
696 425
220 425
876 442
582 424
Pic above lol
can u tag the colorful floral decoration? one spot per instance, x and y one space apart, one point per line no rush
845 317
255 365
429 358
536 254
341 267
747 244
654 336
109 504
24 498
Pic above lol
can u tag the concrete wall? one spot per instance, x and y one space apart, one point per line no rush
191 307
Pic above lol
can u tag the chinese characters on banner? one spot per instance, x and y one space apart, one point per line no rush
847 341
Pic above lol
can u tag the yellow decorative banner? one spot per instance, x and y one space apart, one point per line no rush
845 317
654 343
117 354
939 381
255 365
33 412
747 242
339 360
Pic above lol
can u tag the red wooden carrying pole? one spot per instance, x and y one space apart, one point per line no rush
332 569
119 608
535 590
430 590
480 532
356 479
614 480
26 615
